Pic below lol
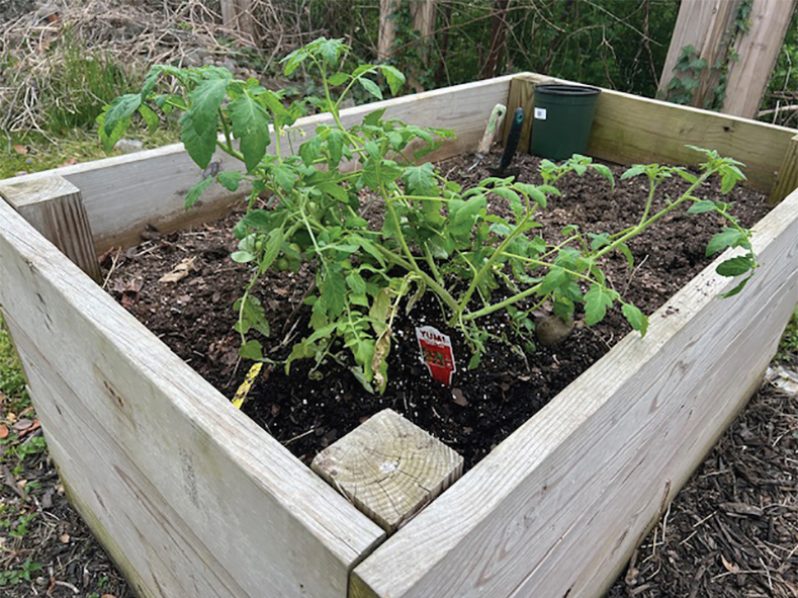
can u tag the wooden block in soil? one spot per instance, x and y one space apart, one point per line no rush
389 468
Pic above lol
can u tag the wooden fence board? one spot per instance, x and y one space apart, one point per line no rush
582 481
171 472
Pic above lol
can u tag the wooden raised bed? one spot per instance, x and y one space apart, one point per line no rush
191 498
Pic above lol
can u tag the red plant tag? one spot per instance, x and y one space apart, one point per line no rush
436 354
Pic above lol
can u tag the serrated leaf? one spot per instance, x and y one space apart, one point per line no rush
252 349
229 179
121 109
394 77
150 117
554 279
623 248
464 214
371 87
251 316
118 131
355 282
274 242
338 79
728 237
196 191
333 190
251 127
284 176
198 125
636 318
597 300
634 171
701 207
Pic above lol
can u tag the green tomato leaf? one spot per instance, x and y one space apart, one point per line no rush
196 191
230 179
636 318
597 300
121 109
701 207
198 125
735 266
274 242
370 87
252 349
394 77
150 118
728 237
252 316
251 127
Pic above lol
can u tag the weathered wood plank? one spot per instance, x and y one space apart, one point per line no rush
122 195
628 129
54 207
787 175
558 507
389 468
758 49
168 473
704 25
522 95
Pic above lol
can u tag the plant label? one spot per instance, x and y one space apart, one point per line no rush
436 354
540 113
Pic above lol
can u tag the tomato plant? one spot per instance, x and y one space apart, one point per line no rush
382 234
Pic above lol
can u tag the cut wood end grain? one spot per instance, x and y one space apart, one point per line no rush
389 468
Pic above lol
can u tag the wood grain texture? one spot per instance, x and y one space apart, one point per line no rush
787 175
191 496
389 468
758 49
558 507
124 194
54 207
706 26
521 95
629 129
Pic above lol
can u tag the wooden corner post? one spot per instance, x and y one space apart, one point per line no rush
54 207
787 174
389 468
522 95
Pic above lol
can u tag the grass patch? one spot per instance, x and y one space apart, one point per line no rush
33 152
788 347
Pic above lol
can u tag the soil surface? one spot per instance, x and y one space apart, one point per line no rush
733 529
310 410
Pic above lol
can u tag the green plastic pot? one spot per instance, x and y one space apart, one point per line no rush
562 118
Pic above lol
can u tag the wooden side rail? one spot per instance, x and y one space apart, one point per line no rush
54 207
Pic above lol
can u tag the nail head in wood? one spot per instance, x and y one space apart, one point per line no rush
389 468
54 207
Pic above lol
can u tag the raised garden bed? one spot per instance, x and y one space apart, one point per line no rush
192 498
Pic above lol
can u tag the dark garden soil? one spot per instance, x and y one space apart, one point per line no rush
310 410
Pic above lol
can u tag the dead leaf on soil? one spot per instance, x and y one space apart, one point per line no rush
3 431
180 271
30 430
22 150
69 162
23 424
730 567
64 538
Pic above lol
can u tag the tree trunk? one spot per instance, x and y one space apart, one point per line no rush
498 36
